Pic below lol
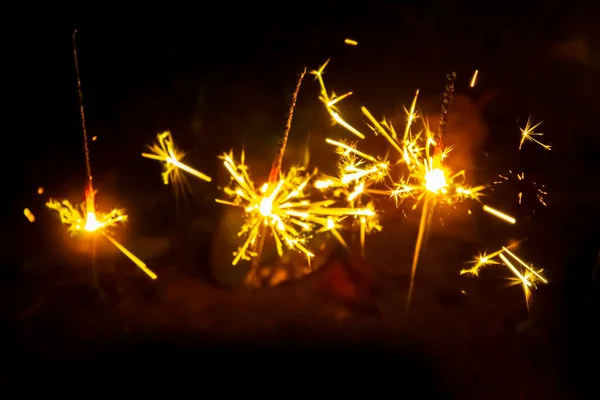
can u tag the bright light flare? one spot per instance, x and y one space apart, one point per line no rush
284 207
435 180
164 150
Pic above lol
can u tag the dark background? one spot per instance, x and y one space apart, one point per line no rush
224 82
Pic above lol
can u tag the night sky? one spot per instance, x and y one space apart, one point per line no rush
224 83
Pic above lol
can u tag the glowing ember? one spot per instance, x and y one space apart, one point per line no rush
528 133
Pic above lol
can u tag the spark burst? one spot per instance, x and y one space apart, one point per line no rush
284 207
528 133
523 274
164 150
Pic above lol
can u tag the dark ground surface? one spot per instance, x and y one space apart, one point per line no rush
465 338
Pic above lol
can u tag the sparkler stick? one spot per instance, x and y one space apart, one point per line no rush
84 218
276 167
81 112
446 105
274 175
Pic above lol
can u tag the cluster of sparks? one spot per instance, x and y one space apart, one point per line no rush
427 180
284 207
84 218
524 274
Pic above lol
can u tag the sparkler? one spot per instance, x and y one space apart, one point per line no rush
523 274
84 218
429 182
282 206
164 150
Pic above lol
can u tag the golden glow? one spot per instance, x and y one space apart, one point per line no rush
350 42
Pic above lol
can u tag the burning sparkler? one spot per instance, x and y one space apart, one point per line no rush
84 218
525 275
164 150
282 206
429 181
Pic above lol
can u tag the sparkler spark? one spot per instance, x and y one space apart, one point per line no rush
526 185
83 218
418 151
350 42
284 207
29 215
526 275
474 79
164 150
528 133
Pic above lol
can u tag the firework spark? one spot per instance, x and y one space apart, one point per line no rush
164 151
84 218
528 133
523 273
525 186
